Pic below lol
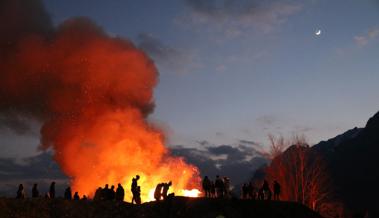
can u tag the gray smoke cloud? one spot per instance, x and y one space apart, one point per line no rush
19 18
237 16
168 58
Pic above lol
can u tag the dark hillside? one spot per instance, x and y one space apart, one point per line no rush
355 168
178 207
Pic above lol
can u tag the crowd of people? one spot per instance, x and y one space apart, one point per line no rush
50 194
101 194
109 194
219 188
249 191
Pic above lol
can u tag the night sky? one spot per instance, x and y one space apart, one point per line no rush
233 71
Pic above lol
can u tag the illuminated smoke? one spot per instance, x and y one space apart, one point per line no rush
92 93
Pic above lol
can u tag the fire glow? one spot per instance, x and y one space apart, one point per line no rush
193 193
93 94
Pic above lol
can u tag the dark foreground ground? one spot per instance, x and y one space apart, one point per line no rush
180 207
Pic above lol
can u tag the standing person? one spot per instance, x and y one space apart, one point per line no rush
219 185
261 194
76 196
244 191
68 194
207 186
226 181
120 193
251 191
266 190
105 192
98 194
133 187
52 190
35 192
20 192
112 193
276 188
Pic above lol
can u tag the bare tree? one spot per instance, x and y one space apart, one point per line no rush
301 172
277 146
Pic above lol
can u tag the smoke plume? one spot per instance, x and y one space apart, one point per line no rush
92 93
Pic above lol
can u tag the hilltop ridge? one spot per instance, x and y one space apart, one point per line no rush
178 207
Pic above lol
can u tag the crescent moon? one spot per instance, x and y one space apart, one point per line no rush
318 32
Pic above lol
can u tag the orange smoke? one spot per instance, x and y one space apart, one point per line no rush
93 94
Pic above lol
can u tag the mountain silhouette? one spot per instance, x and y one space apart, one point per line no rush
352 161
354 166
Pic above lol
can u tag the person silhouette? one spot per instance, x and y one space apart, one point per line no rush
276 187
219 185
244 191
158 192
226 181
98 194
68 194
20 192
261 194
251 191
265 186
112 193
52 190
105 192
120 193
133 187
35 192
166 186
266 190
76 196
206 186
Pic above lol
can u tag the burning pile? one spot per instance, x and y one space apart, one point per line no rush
93 94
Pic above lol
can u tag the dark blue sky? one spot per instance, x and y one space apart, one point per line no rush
238 70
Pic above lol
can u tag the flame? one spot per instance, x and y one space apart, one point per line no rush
151 195
125 148
193 193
